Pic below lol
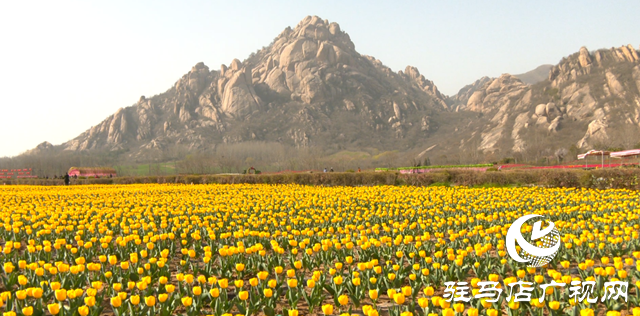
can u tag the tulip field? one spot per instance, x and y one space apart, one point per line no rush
166 249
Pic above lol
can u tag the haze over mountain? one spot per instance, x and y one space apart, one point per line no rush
536 75
311 88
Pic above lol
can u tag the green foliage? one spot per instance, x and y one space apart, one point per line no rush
553 93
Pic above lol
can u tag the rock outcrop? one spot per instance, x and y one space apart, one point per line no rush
42 148
495 94
413 75
584 92
460 100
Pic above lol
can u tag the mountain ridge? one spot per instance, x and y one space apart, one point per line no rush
535 75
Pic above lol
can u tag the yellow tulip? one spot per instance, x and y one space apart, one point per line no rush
448 312
28 311
54 308
55 285
90 301
150 300
428 291
327 309
141 286
83 310
22 294
262 275
399 298
343 300
37 292
116 301
61 295
589 312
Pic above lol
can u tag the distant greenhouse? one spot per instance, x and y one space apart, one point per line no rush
92 172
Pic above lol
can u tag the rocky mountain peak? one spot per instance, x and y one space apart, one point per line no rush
303 80
583 62
494 93
584 57
313 27
42 148
413 75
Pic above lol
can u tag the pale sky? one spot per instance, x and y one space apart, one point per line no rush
67 65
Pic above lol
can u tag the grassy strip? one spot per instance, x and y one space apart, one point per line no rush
601 179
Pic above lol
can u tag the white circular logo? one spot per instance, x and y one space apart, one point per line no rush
536 256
